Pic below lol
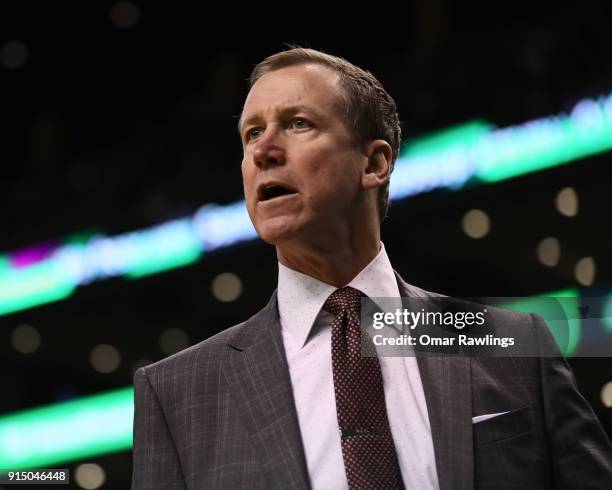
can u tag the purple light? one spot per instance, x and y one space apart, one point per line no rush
31 255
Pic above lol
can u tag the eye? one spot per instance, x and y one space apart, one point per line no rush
300 123
252 133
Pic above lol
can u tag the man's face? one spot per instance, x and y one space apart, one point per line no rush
301 169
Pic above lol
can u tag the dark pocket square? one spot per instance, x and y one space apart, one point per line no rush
496 429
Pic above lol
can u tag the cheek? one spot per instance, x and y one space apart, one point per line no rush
340 172
247 178
332 188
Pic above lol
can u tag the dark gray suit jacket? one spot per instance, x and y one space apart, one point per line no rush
221 415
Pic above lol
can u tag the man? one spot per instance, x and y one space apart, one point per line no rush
281 401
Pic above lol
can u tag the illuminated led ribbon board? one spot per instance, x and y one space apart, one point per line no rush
470 154
67 431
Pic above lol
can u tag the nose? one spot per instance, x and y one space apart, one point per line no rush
268 150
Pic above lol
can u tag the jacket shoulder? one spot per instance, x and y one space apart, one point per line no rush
207 354
209 351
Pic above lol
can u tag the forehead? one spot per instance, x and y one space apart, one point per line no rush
306 86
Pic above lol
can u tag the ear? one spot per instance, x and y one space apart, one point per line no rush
377 171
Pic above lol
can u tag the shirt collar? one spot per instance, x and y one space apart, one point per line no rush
301 297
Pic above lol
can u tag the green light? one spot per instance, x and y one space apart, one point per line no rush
81 237
565 326
167 247
31 286
544 143
607 314
155 266
463 135
67 431
5 264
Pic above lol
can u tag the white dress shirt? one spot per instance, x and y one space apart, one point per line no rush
306 330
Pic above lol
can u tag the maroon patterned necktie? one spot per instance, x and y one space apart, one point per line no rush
368 451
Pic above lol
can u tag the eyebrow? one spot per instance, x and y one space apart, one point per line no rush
283 111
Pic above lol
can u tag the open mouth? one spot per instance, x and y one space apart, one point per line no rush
274 191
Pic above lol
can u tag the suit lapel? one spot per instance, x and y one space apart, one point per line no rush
258 376
447 386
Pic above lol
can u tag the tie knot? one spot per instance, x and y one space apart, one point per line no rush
345 298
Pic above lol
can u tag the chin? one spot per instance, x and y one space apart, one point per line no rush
276 230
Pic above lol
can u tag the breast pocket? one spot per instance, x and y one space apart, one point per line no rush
506 426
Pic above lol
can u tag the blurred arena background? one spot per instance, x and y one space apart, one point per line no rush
123 236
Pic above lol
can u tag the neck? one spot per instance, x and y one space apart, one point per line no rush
335 262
